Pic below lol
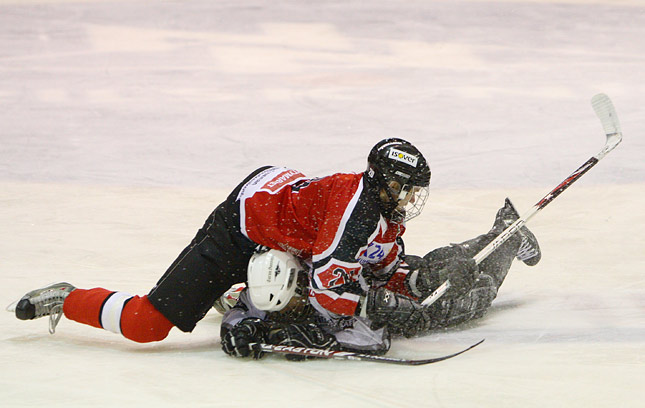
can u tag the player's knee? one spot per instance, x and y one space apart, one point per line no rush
142 322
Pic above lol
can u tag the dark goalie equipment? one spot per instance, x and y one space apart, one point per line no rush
399 169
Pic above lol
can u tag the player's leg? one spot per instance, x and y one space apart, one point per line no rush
216 258
98 307
493 270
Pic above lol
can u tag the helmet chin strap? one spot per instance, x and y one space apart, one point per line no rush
405 190
393 211
392 201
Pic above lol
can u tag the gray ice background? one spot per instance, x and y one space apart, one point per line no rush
124 123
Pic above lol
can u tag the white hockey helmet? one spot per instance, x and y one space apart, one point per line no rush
272 279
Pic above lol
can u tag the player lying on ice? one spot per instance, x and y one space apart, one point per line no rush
338 223
275 308
348 226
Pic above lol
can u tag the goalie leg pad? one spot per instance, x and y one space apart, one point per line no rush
473 305
496 265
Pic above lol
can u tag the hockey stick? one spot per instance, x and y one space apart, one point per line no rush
348 355
605 111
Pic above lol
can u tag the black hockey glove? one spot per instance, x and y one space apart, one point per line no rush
398 312
235 342
302 335
462 272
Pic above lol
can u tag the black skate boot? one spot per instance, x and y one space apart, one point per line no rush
529 251
47 301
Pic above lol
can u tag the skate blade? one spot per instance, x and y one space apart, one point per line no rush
12 306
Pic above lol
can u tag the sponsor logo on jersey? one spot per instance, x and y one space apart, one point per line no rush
404 157
282 179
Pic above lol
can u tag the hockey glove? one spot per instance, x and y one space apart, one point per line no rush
462 272
399 313
302 335
235 342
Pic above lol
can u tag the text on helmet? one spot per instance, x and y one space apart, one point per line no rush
404 157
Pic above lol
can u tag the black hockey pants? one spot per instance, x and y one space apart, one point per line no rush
215 259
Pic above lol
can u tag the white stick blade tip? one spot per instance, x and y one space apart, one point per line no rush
605 111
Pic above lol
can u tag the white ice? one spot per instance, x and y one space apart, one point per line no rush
124 123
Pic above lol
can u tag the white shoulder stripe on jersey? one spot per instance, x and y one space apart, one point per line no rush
256 184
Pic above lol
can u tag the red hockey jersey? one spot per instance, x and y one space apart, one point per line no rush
333 222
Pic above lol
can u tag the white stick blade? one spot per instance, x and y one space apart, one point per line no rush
607 114
605 111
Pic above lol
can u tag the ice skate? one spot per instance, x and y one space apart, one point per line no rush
47 301
529 250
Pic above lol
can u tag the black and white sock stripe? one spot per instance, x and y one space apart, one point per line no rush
110 314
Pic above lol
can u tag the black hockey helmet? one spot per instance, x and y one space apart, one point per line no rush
397 168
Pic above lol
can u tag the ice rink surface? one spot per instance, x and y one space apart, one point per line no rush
123 124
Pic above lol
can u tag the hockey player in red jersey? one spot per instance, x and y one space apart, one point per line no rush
346 225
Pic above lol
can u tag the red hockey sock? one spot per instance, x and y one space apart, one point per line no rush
84 306
132 316
141 322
